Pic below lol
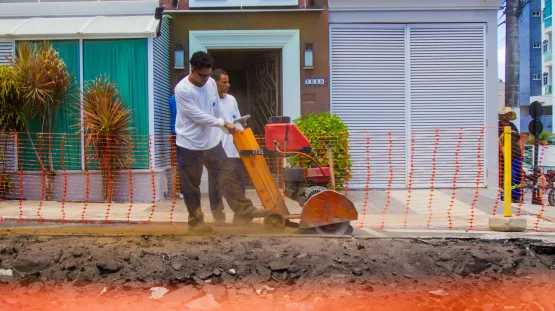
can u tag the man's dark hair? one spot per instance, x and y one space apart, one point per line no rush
201 60
217 74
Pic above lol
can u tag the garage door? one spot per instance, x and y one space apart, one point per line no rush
391 83
447 93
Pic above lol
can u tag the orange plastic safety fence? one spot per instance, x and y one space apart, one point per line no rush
130 148
368 175
426 178
478 180
411 172
432 181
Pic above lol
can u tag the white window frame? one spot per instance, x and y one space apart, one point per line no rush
241 3
536 13
537 77
537 45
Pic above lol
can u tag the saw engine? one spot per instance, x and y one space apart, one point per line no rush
286 139
325 210
301 186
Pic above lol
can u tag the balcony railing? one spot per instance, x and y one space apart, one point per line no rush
548 22
548 56
548 89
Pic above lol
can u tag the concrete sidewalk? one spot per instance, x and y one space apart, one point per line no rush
467 209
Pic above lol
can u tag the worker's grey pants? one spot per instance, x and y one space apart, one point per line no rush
215 160
214 193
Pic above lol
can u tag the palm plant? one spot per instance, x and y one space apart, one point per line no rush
106 126
12 117
6 186
44 82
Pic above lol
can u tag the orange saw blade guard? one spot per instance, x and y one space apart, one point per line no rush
327 207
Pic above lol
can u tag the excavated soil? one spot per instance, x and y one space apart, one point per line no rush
273 273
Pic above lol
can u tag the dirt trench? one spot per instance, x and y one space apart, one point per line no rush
274 273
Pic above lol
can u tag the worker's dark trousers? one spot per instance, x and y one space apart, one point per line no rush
216 201
215 159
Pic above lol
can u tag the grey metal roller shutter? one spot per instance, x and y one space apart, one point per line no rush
6 50
447 92
368 92
162 115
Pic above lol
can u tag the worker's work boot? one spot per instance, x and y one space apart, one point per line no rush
249 216
196 222
258 213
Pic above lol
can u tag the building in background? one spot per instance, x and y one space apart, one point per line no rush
276 51
532 49
546 97
416 67
117 39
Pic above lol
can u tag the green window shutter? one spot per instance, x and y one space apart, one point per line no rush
125 62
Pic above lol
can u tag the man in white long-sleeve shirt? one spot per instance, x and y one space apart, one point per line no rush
198 128
230 112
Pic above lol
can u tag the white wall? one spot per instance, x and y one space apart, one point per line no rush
78 8
403 5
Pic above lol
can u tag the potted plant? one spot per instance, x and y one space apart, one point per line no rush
106 126
44 81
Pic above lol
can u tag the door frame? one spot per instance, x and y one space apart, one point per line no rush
288 40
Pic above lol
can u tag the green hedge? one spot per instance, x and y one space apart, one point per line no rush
322 129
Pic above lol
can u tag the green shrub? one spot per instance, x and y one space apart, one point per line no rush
543 139
12 117
320 130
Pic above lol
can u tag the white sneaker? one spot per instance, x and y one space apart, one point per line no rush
180 195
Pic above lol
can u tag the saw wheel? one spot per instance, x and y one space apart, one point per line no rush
342 228
274 222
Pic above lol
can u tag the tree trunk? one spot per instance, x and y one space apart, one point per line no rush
512 55
50 174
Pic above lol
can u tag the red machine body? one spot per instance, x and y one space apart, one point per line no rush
317 175
288 136
325 210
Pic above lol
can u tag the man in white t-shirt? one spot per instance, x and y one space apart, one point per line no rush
198 126
230 111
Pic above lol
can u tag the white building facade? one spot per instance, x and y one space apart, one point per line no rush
546 99
416 82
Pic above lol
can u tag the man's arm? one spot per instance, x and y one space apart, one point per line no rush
173 109
185 104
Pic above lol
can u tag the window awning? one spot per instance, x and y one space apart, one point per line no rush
79 27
